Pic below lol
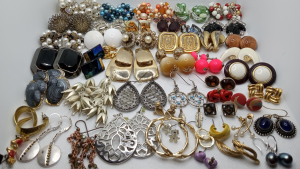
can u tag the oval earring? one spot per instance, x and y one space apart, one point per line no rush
219 135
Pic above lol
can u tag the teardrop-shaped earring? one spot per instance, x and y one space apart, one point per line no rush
151 94
127 98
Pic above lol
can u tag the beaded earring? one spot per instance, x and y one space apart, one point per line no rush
122 12
182 12
200 13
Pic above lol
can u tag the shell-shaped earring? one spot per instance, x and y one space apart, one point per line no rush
248 54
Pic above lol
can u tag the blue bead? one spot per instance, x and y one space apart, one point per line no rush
264 123
125 19
101 8
132 13
113 12
122 10
131 9
285 125
119 6
182 98
110 19
112 15
200 97
105 11
117 10
108 4
285 159
192 97
174 97
122 5
121 17
103 5
112 8
123 14
129 18
178 103
105 17
106 7
101 13
198 101
117 14
128 15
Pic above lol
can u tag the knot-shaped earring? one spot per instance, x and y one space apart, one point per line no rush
273 95
256 90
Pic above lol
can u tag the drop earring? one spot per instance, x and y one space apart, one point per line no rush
219 135
284 159
176 97
49 155
243 124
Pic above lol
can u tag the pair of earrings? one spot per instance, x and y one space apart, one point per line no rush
215 65
244 123
228 108
127 97
48 155
284 159
272 94
230 10
209 162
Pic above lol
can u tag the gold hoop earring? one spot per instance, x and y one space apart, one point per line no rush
167 152
219 135
205 138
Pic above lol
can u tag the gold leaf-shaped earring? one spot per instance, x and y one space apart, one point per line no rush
256 90
273 95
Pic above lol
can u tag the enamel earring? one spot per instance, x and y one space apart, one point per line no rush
215 65
244 123
209 162
245 54
49 155
212 81
219 135
272 158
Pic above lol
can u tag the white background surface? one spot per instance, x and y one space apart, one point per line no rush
273 24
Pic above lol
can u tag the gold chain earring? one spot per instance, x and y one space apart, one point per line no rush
219 135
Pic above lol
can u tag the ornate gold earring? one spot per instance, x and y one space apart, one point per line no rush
273 95
256 90
219 135
244 123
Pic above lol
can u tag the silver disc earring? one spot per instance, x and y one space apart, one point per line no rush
28 150
49 155
127 98
151 94
139 124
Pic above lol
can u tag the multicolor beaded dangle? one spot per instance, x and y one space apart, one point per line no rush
122 12
163 9
200 13
144 11
232 10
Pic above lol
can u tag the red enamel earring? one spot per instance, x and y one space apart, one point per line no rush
219 95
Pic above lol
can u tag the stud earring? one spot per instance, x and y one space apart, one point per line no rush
264 125
49 155
262 72
129 40
273 95
210 109
256 90
216 95
239 100
219 135
238 70
284 159
229 108
176 97
243 124
209 162
174 136
215 65
212 81
167 128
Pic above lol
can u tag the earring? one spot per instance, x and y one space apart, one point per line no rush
153 94
209 162
195 98
226 83
256 90
240 150
167 128
215 65
239 99
232 10
182 12
81 145
243 124
238 70
176 97
28 150
273 95
216 10
126 98
205 138
262 73
143 11
229 108
219 135
189 40
219 95
210 109
235 26
200 13
129 40
174 136
148 39
49 155
245 54
284 159
139 124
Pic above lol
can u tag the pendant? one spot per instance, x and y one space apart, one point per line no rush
151 94
199 118
285 128
264 126
27 151
49 155
139 124
127 98
120 129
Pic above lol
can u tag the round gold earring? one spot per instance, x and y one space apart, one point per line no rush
219 135
205 138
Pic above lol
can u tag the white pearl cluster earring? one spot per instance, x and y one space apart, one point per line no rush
91 7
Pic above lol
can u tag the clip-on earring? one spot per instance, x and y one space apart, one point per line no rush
28 150
176 97
209 162
256 90
215 65
284 159
212 81
219 135
243 124
49 155
273 95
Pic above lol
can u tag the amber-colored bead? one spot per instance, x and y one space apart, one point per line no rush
167 64
248 42
134 10
143 8
186 63
233 40
166 3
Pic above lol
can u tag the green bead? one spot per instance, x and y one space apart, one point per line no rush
183 6
179 5
197 11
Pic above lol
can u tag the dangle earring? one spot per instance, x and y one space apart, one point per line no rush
176 97
219 135
28 150
243 124
49 155
81 145
284 159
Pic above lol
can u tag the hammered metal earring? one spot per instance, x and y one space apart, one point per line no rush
49 155
126 98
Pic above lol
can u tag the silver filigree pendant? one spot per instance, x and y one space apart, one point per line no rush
139 124
120 129
151 94
127 98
